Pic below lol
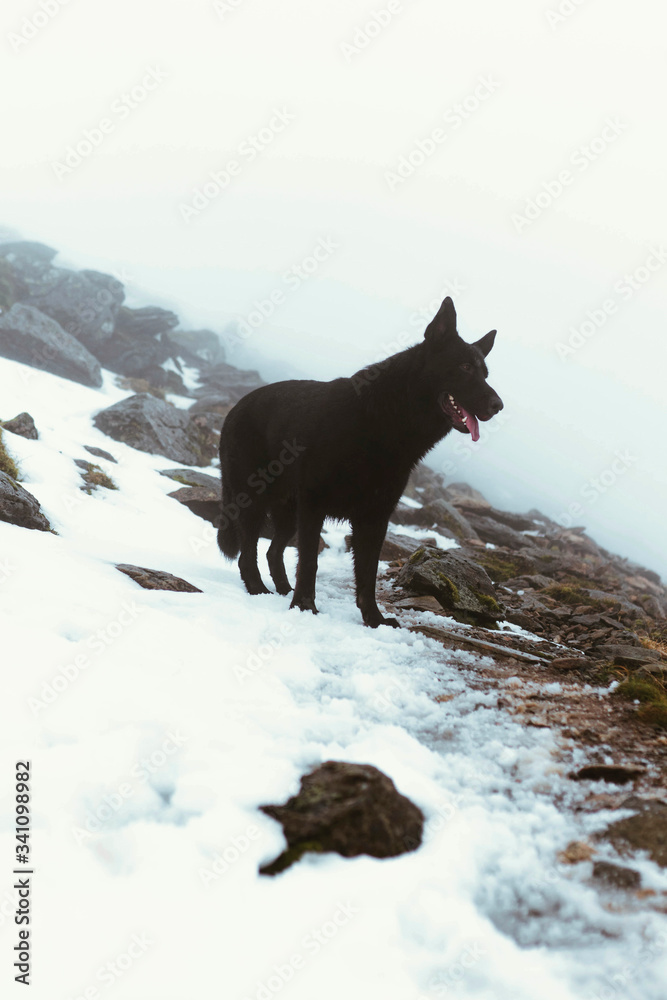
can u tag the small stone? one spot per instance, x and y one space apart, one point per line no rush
616 876
615 774
100 453
23 425
156 579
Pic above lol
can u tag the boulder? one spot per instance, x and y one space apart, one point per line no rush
29 336
144 323
157 579
84 303
17 506
151 425
490 530
461 586
196 346
27 265
351 809
226 384
23 425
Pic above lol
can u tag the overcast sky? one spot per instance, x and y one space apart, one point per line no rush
510 154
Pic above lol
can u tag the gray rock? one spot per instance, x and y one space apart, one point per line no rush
17 506
192 477
462 586
157 579
201 500
100 453
490 530
29 263
151 425
351 809
27 335
627 656
84 303
23 425
199 345
401 546
226 384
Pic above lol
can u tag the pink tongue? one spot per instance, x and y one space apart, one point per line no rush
471 423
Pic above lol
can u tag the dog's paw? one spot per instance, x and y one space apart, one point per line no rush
380 620
304 604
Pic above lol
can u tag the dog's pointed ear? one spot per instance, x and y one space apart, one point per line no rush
443 324
486 343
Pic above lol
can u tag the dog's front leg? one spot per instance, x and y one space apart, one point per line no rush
367 539
309 527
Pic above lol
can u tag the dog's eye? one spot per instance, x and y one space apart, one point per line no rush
465 368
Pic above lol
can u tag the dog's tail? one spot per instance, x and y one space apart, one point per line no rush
228 535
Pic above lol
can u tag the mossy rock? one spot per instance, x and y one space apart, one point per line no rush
461 586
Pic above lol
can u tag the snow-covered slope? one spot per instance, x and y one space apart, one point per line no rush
158 722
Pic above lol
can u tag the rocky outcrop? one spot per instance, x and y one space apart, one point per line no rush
29 336
152 425
351 809
84 303
17 506
23 425
157 579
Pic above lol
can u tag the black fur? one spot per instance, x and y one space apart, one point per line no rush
300 451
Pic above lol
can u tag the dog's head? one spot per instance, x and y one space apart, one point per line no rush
458 373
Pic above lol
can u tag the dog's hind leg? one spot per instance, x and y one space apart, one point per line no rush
367 539
249 526
283 516
309 527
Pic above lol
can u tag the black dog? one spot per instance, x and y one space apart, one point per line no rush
302 451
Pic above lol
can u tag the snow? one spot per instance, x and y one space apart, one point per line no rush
158 722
